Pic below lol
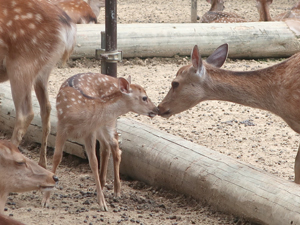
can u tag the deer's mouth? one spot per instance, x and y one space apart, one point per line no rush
165 114
152 114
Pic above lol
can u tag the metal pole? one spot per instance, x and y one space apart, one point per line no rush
111 35
194 11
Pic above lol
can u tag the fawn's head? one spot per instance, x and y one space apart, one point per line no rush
216 5
136 97
188 87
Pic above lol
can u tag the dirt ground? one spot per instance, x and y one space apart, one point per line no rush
254 136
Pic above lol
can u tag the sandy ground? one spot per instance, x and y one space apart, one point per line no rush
254 136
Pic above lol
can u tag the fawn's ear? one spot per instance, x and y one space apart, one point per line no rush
196 60
124 85
218 57
209 1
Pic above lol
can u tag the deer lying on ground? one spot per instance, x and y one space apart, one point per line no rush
21 174
79 11
88 106
276 88
263 7
215 14
34 36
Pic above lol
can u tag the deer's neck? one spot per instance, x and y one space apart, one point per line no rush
255 88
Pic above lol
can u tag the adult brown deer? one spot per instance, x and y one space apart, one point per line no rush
78 10
21 174
215 14
34 36
88 105
276 88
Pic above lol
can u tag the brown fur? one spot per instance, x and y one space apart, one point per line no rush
215 14
5 220
79 11
19 173
88 106
276 88
31 43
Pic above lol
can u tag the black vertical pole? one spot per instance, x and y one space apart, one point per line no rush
109 66
111 34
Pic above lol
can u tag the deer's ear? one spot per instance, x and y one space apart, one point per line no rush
129 79
218 57
196 59
209 1
124 85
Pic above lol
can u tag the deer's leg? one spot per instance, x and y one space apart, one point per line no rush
43 98
116 152
21 93
104 149
57 157
297 167
90 144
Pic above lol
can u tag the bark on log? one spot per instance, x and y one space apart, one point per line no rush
164 160
246 40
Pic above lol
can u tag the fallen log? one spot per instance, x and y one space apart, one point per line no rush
246 40
164 160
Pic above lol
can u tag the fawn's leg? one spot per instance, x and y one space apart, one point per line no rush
90 144
105 153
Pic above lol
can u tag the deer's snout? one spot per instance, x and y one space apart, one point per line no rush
153 113
55 178
163 112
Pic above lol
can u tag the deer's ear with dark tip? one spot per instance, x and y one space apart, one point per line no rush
218 57
124 85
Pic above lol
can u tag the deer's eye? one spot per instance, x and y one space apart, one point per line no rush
145 99
175 84
20 163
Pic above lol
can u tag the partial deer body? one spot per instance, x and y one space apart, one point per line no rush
78 10
34 36
276 88
5 220
263 7
215 14
21 174
96 5
88 105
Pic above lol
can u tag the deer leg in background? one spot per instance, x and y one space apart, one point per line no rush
43 98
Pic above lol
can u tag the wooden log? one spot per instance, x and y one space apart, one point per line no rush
164 160
246 40
232 186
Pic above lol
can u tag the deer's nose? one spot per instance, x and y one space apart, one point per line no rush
55 178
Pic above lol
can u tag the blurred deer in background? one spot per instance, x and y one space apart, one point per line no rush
96 5
216 14
275 88
34 36
88 106
78 10
263 7
21 174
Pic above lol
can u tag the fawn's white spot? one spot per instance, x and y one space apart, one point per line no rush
31 26
9 23
60 111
